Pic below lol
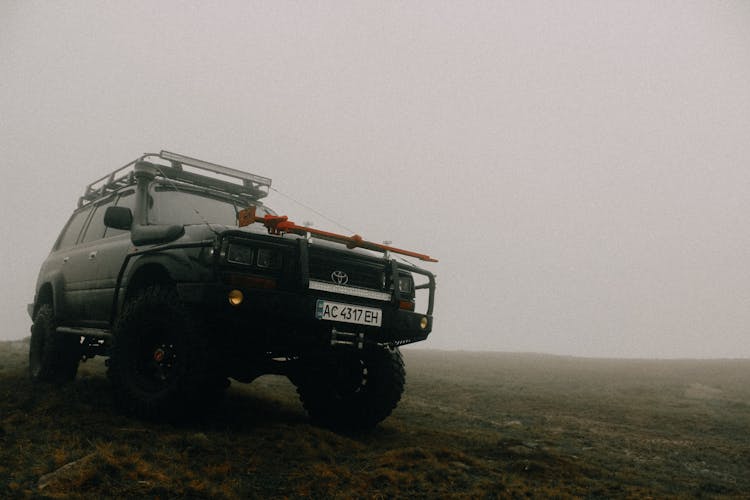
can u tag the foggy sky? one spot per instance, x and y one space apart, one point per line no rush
579 168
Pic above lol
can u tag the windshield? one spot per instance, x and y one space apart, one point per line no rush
168 206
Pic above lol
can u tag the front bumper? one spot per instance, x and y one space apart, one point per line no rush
278 311
283 321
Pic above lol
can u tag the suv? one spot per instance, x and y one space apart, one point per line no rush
174 269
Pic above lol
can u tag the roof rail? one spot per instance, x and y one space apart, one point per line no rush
251 187
107 184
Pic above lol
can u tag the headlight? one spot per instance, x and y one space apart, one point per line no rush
405 284
269 259
240 254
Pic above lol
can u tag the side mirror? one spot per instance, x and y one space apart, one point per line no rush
118 218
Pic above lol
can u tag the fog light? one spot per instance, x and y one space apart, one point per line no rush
423 322
235 297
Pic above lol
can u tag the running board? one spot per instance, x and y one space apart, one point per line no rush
98 333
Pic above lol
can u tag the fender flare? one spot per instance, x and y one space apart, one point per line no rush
55 281
173 260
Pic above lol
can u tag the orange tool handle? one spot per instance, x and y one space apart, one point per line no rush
280 224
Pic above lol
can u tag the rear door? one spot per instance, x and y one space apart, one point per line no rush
90 311
71 259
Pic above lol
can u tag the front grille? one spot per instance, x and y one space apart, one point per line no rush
361 273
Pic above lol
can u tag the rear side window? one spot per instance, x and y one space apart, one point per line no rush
72 230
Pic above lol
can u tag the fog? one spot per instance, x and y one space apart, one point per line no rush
579 168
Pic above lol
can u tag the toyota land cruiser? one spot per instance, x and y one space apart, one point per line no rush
175 270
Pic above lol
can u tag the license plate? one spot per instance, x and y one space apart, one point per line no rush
347 313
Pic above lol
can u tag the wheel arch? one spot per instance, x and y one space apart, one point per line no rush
45 295
143 274
163 267
147 274
50 291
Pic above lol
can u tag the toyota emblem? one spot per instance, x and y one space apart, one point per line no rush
340 277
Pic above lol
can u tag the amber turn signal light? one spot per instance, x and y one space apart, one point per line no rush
406 305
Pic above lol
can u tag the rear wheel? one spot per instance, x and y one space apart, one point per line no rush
351 390
53 357
159 365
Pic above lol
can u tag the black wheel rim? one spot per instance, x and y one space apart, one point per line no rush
349 376
156 358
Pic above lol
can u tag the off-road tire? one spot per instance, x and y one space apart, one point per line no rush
159 362
351 390
53 357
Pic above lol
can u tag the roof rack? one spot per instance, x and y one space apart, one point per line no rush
252 186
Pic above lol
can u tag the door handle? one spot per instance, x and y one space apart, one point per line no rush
92 255
65 260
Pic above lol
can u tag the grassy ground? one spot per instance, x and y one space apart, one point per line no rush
476 425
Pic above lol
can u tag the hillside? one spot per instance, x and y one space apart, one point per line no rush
481 425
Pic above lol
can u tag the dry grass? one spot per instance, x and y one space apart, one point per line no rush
470 425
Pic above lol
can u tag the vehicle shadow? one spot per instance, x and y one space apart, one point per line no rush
88 399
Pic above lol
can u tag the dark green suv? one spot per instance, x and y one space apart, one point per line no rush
175 269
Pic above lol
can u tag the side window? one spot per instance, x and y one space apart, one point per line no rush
95 231
126 199
70 234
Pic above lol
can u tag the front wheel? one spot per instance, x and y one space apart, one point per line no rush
159 365
53 357
351 390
